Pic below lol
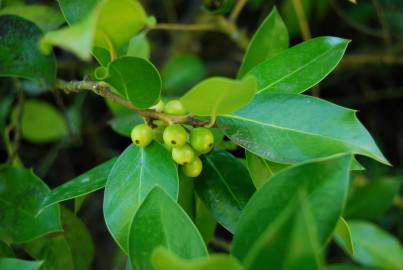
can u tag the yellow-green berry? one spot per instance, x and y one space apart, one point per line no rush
175 107
193 168
142 135
183 155
175 135
202 139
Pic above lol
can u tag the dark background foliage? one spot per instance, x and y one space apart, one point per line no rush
368 79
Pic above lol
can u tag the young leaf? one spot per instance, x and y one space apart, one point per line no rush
343 235
161 222
136 172
86 183
325 182
139 47
270 38
181 72
225 187
135 79
300 67
375 247
163 259
19 52
289 243
290 128
21 195
71 250
17 264
46 17
41 122
217 95
370 201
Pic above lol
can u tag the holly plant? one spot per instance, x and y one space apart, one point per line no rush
253 154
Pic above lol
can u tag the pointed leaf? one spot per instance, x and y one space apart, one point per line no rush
343 235
325 182
136 172
217 95
290 128
19 52
300 67
161 222
86 183
21 193
225 187
270 38
135 79
163 259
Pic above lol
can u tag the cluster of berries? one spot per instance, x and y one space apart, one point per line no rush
186 146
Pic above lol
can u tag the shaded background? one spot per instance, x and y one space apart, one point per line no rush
368 79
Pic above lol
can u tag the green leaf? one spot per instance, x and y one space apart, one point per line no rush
325 182
46 17
270 38
370 201
225 187
5 107
181 72
204 221
83 184
289 243
300 67
123 124
139 47
135 79
186 198
290 128
19 52
71 250
6 250
118 30
75 10
343 235
17 264
375 247
217 95
162 218
348 267
41 122
136 172
18 221
261 170
163 259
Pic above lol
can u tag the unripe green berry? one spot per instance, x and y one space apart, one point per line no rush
202 139
175 135
142 135
175 107
158 132
183 155
159 107
193 168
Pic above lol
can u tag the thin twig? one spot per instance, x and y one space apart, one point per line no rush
382 21
16 126
236 11
302 21
104 90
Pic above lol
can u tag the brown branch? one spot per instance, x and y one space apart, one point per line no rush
104 90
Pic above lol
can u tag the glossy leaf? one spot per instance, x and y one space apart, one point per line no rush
261 170
163 259
217 95
136 172
46 17
225 187
375 247
17 264
270 38
186 197
300 67
325 182
343 235
290 128
75 10
161 222
18 220
73 249
181 72
139 47
289 243
204 221
123 124
41 122
372 200
86 183
19 52
135 79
